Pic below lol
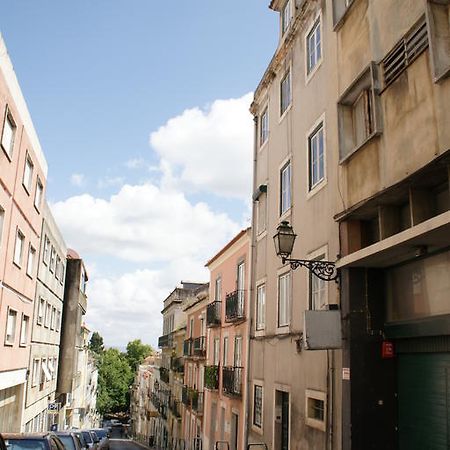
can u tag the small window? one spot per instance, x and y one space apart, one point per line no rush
314 47
52 259
317 290
31 259
38 194
28 174
264 127
53 319
285 92
58 267
41 312
218 290
316 409
11 323
362 118
285 188
48 312
286 16
58 320
316 157
35 375
225 352
260 307
18 249
24 330
284 299
438 19
257 406
8 135
46 252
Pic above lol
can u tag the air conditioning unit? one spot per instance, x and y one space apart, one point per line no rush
322 330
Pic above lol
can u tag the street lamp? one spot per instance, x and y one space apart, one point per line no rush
284 240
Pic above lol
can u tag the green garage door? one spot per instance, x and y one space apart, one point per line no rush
424 401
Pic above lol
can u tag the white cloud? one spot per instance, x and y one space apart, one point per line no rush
110 181
135 163
77 179
208 150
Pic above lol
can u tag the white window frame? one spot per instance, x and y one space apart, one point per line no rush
287 75
316 27
216 351
260 323
313 157
225 352
52 259
48 312
40 317
13 126
58 320
18 253
264 126
36 372
286 17
24 326
31 260
28 170
218 289
319 255
46 253
10 329
311 394
285 188
53 319
38 194
283 322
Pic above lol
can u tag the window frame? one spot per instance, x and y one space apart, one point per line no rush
258 426
19 237
32 258
9 117
286 17
7 342
2 221
264 126
287 75
48 312
27 183
38 194
283 209
36 372
314 185
260 325
25 319
312 394
315 26
40 318
282 325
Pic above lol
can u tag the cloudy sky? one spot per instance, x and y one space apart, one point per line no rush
142 111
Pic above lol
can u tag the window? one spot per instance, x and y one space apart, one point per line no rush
260 307
316 157
225 351
284 296
285 188
314 47
58 267
315 409
238 351
38 194
264 127
58 320
45 373
340 8
62 273
317 292
84 279
46 252
55 367
11 322
28 174
257 405
218 290
18 249
8 135
48 312
24 330
216 351
261 211
2 219
35 375
51 367
438 14
30 262
286 16
52 259
53 319
285 92
41 312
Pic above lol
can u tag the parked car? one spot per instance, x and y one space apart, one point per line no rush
70 440
79 434
32 441
103 435
89 438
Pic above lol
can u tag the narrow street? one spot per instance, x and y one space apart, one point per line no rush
124 444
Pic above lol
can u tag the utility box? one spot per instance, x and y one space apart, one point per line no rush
322 330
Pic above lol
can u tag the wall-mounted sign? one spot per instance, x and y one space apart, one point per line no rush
346 373
53 407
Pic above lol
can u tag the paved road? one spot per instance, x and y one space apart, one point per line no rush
124 444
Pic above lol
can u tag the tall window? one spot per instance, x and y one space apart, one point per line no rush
218 290
285 187
225 351
316 157
314 46
317 289
41 312
53 319
38 194
52 259
284 297
257 406
30 262
11 323
48 312
216 358
46 252
24 330
35 379
286 16
58 320
260 307
8 135
285 92
264 127
18 249
28 174
238 351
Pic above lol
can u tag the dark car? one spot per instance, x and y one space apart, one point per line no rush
70 440
103 435
79 435
90 439
32 441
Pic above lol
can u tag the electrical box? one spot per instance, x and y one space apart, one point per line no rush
322 330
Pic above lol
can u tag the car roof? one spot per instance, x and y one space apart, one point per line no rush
26 435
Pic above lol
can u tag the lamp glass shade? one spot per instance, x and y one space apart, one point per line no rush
284 240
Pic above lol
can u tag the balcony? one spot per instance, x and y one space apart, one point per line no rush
212 377
200 346
232 381
174 406
213 314
186 396
234 306
154 398
187 347
197 402
164 374
165 341
177 364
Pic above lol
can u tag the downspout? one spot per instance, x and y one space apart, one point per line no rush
330 375
252 280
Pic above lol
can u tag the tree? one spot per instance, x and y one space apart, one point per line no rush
137 352
96 343
115 376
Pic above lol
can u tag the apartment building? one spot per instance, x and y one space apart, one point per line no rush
295 379
194 351
23 172
227 319
40 406
394 220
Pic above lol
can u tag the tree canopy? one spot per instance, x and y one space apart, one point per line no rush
137 352
96 343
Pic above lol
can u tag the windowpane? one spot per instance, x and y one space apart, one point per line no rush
18 249
225 351
218 290
30 262
264 127
28 174
314 46
48 312
285 92
2 219
35 372
38 194
9 131
316 157
285 188
11 327
284 299
41 312
261 213
286 16
257 406
317 290
260 307
24 330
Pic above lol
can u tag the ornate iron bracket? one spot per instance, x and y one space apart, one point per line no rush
325 270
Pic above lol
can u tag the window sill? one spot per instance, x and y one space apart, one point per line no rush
261 235
286 214
282 329
316 188
27 190
309 76
258 430
337 26
442 76
22 345
285 113
371 137
17 265
260 333
29 276
9 344
263 145
6 153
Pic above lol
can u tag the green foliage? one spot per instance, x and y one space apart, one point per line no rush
137 352
115 377
96 344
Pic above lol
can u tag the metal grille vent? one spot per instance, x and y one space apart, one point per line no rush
405 52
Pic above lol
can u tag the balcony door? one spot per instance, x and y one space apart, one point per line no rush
237 364
240 286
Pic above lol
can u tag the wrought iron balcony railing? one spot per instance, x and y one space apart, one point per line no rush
164 374
177 364
154 398
234 306
199 346
186 396
187 347
212 377
232 381
165 341
213 314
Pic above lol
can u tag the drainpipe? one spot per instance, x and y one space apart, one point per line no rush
252 280
330 376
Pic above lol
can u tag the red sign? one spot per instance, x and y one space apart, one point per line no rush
387 350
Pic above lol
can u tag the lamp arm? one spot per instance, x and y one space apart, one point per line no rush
325 270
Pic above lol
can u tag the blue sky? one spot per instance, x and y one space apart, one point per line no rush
140 108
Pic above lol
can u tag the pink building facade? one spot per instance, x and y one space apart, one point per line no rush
23 172
227 321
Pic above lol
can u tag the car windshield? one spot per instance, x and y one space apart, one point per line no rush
100 433
26 444
67 441
87 437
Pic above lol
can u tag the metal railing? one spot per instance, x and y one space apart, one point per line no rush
177 364
197 402
199 346
164 374
187 347
232 381
174 406
185 396
234 306
165 341
213 314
